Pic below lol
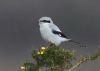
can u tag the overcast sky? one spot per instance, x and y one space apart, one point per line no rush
19 30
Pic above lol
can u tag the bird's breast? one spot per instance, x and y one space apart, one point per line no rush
45 31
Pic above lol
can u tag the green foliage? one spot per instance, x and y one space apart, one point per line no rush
95 55
56 59
30 67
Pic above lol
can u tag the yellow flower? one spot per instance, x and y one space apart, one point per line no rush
42 52
43 48
22 67
38 52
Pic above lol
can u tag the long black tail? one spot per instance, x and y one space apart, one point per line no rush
77 43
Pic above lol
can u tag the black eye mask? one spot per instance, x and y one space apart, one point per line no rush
45 21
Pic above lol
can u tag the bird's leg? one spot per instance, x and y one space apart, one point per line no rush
52 45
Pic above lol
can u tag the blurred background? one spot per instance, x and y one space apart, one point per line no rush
19 30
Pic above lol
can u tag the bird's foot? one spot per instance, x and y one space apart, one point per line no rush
52 45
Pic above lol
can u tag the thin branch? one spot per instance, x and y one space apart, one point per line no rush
82 60
85 59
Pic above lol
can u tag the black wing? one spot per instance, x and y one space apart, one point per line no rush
59 33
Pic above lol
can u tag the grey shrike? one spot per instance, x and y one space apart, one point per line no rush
50 32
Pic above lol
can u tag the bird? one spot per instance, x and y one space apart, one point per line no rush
51 32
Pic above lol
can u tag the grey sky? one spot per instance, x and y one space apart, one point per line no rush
19 30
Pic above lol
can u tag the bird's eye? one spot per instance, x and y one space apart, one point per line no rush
45 21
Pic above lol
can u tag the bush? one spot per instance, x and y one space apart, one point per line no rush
56 59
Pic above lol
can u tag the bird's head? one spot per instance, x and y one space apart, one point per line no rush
45 20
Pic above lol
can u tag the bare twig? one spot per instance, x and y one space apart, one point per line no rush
85 59
82 60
